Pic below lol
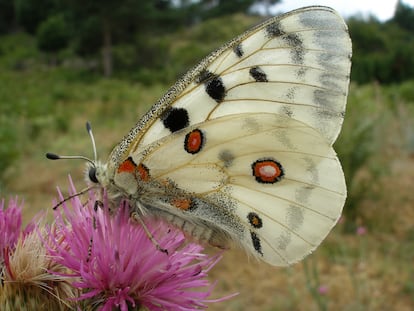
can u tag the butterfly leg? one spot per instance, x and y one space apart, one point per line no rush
137 218
98 204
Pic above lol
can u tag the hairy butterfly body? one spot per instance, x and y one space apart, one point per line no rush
240 148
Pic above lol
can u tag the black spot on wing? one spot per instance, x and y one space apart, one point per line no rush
296 43
258 74
175 119
256 242
291 39
227 157
238 50
274 30
215 89
204 76
214 85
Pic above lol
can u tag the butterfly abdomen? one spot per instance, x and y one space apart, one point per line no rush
202 233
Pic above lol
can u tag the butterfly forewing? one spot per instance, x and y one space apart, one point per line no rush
240 148
296 64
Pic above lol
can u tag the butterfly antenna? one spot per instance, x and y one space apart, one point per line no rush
89 129
54 156
71 197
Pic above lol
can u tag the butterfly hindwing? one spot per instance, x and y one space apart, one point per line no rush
240 148
279 177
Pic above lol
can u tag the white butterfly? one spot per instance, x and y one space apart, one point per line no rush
240 148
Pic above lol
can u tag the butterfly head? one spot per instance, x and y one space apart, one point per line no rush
97 173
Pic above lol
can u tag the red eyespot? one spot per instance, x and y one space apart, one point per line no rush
255 220
194 141
267 171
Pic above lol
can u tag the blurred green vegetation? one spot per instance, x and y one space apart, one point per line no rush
133 39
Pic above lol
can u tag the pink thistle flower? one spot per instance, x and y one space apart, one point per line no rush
24 281
11 226
116 265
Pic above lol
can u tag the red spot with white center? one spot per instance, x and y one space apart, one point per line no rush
194 141
267 171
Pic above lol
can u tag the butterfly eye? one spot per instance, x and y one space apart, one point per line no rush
92 174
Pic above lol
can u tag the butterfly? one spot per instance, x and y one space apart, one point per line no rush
239 150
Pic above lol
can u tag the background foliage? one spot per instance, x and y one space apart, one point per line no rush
123 37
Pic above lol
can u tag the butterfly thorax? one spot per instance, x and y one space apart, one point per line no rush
102 176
